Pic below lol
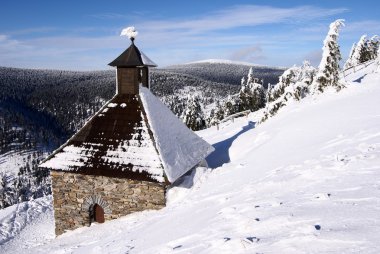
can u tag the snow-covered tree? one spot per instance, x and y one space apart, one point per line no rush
252 94
373 45
350 61
377 60
362 52
243 95
250 77
176 104
286 79
216 114
193 114
268 93
7 191
257 100
294 84
328 72
231 106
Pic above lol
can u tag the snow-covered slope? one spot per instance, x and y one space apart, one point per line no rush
305 181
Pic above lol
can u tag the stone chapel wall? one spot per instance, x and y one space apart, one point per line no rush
74 194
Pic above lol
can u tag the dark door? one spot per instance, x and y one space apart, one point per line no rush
98 213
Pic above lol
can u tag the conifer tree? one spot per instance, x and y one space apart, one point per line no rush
257 100
328 73
243 95
230 106
252 94
217 114
374 46
5 191
294 84
350 61
193 114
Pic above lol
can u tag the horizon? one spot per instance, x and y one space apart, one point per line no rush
85 36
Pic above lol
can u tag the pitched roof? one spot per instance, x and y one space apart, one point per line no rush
115 142
132 57
132 136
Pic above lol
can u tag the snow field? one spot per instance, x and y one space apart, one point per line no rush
304 181
25 225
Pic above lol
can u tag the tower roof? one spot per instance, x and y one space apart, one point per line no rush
132 57
135 137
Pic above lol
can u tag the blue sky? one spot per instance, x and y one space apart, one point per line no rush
84 35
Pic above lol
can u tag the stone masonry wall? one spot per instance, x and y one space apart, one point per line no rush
73 193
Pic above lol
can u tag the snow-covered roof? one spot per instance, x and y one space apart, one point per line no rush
115 142
180 148
133 136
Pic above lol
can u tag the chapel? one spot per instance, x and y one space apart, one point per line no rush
126 155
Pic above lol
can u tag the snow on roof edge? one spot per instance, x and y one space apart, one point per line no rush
180 148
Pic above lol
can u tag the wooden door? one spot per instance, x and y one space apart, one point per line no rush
98 213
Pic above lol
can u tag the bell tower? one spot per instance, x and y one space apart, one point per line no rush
132 67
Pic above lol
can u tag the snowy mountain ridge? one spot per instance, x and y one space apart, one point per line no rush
304 181
226 61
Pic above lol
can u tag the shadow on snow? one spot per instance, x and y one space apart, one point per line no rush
221 153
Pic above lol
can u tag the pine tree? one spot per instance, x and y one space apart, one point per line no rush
350 61
252 94
193 114
377 60
294 84
230 106
362 52
216 115
7 196
176 105
257 100
250 77
374 43
286 79
328 73
243 95
268 93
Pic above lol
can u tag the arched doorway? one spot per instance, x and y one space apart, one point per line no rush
98 213
96 208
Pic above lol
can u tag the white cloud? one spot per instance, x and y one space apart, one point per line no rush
242 16
211 35
248 54
364 26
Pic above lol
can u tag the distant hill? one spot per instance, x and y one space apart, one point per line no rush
225 71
